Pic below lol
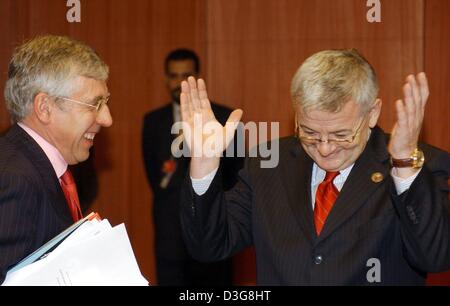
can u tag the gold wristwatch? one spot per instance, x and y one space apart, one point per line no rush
415 161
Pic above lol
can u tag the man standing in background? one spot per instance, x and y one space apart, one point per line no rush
166 173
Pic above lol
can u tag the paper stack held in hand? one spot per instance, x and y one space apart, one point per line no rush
90 252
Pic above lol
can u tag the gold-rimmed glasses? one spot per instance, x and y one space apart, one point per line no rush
313 138
97 104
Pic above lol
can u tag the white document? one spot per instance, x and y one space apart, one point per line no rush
94 254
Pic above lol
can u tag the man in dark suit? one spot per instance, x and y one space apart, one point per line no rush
57 96
346 205
166 174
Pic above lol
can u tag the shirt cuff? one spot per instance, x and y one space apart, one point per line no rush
201 185
403 184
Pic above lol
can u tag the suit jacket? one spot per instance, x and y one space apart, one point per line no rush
271 208
33 208
156 149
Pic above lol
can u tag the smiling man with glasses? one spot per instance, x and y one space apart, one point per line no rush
347 204
56 95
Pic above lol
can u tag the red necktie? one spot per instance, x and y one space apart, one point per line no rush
70 192
326 195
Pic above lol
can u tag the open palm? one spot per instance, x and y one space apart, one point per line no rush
204 135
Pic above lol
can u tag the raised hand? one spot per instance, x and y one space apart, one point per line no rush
204 135
410 113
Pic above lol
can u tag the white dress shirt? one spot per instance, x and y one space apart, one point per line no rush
201 185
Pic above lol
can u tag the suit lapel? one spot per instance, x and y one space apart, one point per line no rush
359 185
296 173
36 155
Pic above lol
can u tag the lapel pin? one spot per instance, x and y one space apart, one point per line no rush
377 177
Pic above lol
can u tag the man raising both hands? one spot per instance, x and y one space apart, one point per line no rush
345 197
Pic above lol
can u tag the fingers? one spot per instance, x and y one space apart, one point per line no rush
203 94
409 105
415 91
401 114
416 94
185 102
423 85
235 116
419 86
194 96
185 114
195 99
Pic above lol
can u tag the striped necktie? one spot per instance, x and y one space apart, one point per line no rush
70 192
326 195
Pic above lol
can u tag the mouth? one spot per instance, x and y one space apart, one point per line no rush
89 136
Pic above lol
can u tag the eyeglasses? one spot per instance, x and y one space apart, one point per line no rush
314 140
97 106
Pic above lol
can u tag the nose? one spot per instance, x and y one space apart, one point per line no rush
104 117
325 148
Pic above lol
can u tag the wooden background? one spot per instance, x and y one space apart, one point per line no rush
249 51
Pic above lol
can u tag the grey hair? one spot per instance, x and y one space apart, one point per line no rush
48 64
329 79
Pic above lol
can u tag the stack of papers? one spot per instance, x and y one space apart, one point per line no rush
91 252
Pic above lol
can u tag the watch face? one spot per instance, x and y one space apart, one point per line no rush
418 158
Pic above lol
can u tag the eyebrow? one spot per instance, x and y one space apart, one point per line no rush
334 132
97 98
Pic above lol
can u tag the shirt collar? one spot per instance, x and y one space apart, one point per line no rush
318 174
56 159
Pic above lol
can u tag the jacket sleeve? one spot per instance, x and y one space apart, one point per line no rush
18 213
424 212
217 224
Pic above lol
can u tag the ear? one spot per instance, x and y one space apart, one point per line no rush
374 113
297 113
42 107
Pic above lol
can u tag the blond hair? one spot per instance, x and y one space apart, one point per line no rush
329 79
48 64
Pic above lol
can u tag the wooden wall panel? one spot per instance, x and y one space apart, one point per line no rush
437 64
255 47
20 20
